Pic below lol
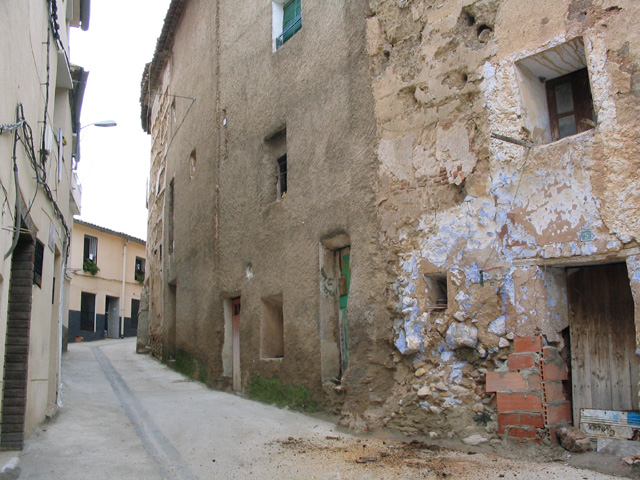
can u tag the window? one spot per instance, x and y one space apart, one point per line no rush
91 248
135 308
88 312
287 20
272 328
171 201
556 94
281 186
37 263
140 269
437 291
570 104
276 156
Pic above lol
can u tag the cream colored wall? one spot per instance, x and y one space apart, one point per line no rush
24 33
108 281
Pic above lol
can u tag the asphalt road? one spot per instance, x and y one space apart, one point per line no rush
126 416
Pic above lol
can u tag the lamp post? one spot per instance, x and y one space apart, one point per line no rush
102 123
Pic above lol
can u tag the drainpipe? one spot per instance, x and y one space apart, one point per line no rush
63 281
124 283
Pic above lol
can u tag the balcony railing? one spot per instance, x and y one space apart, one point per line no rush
289 31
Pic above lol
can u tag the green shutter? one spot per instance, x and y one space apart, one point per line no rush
291 11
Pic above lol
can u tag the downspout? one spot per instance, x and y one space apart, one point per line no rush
63 277
124 283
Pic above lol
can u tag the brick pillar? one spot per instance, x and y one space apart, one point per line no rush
14 395
530 396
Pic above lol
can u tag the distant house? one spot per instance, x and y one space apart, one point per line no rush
107 271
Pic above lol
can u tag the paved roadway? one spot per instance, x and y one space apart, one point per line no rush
126 416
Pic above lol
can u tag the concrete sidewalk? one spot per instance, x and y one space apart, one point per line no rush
126 416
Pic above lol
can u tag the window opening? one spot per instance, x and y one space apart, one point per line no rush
281 187
140 269
437 291
91 248
556 93
272 328
88 312
38 262
171 213
291 15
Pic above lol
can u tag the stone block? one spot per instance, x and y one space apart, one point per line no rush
573 439
460 335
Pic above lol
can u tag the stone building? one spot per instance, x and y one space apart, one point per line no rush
41 98
426 212
107 270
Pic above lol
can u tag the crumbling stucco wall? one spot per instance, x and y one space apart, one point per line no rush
500 220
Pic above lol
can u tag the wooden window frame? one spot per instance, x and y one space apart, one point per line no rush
582 102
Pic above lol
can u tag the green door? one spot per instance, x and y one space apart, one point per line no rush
345 283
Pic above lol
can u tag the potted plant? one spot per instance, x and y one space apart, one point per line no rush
90 266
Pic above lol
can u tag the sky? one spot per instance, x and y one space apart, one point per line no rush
114 163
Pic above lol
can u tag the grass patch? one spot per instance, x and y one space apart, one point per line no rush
185 363
272 391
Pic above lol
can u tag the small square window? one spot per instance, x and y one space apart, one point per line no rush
437 291
556 93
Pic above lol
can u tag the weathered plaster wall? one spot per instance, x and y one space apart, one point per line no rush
494 216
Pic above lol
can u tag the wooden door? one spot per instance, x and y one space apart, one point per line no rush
604 367
235 333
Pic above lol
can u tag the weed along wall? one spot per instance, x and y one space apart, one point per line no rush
487 237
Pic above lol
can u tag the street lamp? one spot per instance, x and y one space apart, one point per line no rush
76 140
102 123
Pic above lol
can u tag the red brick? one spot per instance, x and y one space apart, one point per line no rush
528 344
508 419
501 430
552 371
520 361
531 420
522 432
549 353
515 402
533 383
553 392
558 414
499 381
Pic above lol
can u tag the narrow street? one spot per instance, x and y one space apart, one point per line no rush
126 416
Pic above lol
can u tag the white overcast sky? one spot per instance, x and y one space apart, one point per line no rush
114 163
